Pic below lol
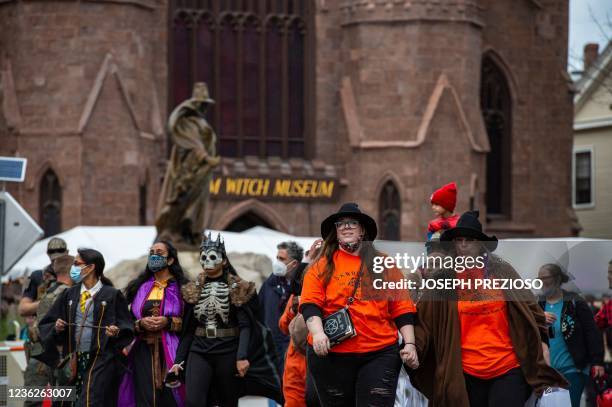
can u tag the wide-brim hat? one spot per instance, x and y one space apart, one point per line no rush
350 210
468 225
200 93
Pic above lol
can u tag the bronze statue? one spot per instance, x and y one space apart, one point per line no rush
182 208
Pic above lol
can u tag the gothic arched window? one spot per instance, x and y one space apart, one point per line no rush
496 105
50 204
390 212
142 203
252 55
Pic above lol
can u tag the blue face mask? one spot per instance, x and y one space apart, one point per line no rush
157 263
75 274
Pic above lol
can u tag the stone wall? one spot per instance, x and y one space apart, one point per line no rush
396 97
85 88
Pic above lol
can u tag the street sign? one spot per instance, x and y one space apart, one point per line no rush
13 169
18 231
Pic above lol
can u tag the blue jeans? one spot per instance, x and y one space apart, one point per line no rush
577 381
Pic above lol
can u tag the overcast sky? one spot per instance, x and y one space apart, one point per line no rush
584 27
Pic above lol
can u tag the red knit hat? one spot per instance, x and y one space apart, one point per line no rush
446 197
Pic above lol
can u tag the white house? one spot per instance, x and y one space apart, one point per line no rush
592 156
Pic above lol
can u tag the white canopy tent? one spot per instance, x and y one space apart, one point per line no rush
585 259
119 243
116 244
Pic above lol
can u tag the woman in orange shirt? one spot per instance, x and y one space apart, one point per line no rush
481 348
361 370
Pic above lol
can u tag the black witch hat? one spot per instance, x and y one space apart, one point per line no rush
468 225
350 210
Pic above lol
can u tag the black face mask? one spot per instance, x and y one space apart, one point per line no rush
350 247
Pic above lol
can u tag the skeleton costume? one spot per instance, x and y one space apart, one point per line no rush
220 327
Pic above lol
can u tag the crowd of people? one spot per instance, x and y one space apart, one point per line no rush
316 334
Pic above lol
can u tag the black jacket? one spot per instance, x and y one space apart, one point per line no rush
101 384
262 377
583 339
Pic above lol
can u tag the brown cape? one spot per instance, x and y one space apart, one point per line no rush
438 340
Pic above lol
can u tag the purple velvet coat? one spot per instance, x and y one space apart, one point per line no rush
171 306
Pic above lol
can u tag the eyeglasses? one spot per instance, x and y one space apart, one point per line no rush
348 224
53 251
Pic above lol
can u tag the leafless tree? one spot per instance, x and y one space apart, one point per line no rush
597 71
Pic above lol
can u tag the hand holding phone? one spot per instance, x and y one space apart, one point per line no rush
173 379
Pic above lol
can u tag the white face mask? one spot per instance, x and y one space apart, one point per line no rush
279 268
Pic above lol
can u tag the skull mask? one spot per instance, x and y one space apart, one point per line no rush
212 253
211 259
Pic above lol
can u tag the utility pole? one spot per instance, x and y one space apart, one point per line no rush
2 239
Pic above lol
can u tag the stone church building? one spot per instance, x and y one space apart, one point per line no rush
318 102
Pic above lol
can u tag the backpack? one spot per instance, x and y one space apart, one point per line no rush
299 333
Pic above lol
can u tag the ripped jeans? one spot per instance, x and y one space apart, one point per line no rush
356 379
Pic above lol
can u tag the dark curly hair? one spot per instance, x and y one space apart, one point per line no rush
175 270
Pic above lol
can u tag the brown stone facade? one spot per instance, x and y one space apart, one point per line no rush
83 92
396 97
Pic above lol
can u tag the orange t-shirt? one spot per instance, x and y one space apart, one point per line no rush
373 319
486 346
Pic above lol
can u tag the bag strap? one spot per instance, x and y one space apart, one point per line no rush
351 299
